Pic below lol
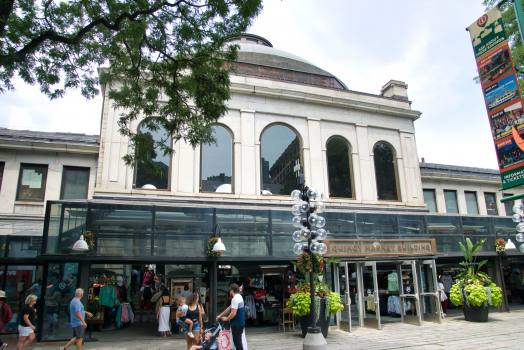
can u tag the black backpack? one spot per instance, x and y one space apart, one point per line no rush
147 294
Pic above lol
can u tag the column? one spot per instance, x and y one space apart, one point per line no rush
315 154
248 153
365 160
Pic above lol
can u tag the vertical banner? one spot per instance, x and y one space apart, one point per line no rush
501 94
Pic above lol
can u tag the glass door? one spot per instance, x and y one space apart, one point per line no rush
428 291
409 297
369 302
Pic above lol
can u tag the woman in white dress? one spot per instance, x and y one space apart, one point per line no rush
163 313
442 297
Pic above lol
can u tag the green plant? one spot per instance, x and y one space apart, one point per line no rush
300 303
496 294
210 244
304 263
455 296
334 303
89 238
476 294
471 270
500 246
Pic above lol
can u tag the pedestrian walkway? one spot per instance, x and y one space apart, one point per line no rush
504 331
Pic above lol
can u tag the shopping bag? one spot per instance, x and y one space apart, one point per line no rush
244 341
225 340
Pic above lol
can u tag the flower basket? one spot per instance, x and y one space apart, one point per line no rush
500 246
210 244
89 238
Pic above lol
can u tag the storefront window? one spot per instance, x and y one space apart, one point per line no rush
339 168
282 246
32 182
477 226
243 221
181 245
340 223
429 199
54 228
59 291
281 222
113 217
443 225
471 203
20 282
191 220
385 172
123 244
491 203
377 225
280 149
147 179
217 163
252 245
24 246
411 225
448 244
504 226
451 202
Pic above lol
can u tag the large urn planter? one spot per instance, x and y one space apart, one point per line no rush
476 313
307 321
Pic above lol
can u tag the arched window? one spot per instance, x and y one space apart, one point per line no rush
339 169
217 164
150 180
280 149
385 172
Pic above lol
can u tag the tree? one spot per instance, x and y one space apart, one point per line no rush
515 41
166 59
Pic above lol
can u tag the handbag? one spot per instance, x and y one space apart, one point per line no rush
225 339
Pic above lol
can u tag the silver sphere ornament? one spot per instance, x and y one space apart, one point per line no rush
304 206
313 219
516 218
312 193
520 227
321 234
320 196
296 209
520 237
314 236
521 248
297 237
298 249
297 221
296 195
320 207
305 234
315 247
321 222
518 208
323 248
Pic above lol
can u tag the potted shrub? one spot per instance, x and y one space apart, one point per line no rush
473 289
327 302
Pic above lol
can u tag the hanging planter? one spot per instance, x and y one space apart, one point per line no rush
89 238
210 244
500 246
304 263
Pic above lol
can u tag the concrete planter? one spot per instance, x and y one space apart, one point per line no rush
475 313
307 321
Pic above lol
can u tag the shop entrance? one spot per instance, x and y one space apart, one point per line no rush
375 293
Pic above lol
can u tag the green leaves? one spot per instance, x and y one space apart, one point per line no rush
166 60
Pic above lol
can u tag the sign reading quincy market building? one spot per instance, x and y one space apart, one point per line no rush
378 247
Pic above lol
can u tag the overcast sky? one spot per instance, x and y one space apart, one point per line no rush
365 44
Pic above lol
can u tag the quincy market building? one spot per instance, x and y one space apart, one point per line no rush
387 214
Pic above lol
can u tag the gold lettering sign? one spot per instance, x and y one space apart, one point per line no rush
380 247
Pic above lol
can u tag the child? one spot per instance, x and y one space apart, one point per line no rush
207 337
183 307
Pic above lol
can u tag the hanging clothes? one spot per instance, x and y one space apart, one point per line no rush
107 296
147 277
394 305
447 280
393 282
371 306
249 302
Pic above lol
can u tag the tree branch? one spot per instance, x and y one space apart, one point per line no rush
6 7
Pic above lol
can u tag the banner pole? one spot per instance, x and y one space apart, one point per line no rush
519 11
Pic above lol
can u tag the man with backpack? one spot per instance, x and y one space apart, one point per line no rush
145 295
5 316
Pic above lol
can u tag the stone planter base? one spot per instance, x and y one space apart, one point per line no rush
475 313
307 321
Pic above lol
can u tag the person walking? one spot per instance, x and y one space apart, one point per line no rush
78 323
186 293
236 316
5 316
144 297
193 313
163 313
26 328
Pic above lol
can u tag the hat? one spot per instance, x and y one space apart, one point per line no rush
2 294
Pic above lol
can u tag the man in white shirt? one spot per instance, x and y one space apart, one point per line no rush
186 293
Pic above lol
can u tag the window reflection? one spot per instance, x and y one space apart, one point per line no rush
385 173
443 225
217 163
411 224
450 198
339 170
429 199
149 180
377 224
280 149
477 226
491 203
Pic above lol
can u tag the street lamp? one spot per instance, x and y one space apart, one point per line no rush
310 232
219 245
81 245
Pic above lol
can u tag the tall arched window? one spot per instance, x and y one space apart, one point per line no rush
280 149
217 164
385 172
150 180
339 168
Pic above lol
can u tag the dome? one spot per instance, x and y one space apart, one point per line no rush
258 57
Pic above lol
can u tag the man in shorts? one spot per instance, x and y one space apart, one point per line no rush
144 297
78 323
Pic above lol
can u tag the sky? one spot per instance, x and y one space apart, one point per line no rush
365 44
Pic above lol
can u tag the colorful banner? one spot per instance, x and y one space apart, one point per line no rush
501 94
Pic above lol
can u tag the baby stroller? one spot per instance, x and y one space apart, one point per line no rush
215 329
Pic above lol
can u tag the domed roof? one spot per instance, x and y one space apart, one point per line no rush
272 63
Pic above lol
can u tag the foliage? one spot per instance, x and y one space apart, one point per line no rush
512 32
89 238
454 295
321 289
334 303
476 294
166 59
471 270
210 244
304 264
500 245
300 303
496 294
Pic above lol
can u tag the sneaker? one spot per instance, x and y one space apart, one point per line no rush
62 348
190 334
4 346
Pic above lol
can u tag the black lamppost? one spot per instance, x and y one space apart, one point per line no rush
308 241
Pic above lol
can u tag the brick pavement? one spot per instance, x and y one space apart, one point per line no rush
504 331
